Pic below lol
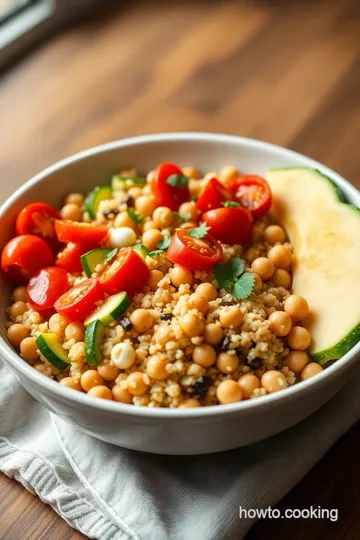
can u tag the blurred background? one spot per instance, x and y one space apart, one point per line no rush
76 73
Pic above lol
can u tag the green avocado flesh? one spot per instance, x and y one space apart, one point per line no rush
324 232
94 336
50 347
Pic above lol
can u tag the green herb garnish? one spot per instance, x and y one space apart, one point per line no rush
109 257
199 232
164 243
184 218
230 204
135 216
231 276
178 180
156 253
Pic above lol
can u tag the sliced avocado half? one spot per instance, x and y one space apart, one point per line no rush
324 232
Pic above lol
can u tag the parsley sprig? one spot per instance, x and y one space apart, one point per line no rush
162 247
178 180
231 276
199 232
135 216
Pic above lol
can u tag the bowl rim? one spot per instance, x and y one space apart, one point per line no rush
277 398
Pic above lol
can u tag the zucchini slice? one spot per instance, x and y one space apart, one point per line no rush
94 336
50 347
141 250
93 258
92 201
123 183
111 310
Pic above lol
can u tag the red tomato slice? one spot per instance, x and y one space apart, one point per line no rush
230 225
167 195
213 195
252 192
46 287
194 253
128 272
38 219
70 258
77 303
25 255
74 231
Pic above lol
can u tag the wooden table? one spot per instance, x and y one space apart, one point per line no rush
286 72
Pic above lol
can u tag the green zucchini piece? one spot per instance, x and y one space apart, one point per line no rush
123 183
93 258
111 310
92 201
141 250
94 336
50 347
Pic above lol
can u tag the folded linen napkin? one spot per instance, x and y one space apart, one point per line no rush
110 493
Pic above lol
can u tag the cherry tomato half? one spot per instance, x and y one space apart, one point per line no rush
127 272
38 219
46 287
70 258
213 195
25 255
252 192
231 225
165 194
77 303
74 231
194 253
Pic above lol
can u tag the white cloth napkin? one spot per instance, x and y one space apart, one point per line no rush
108 492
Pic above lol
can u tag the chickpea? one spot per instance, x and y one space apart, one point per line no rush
231 317
273 381
251 254
148 225
189 208
198 302
16 333
299 338
102 392
296 361
189 403
281 278
297 307
70 383
229 392
227 363
228 173
191 325
75 198
213 334
156 367
124 220
135 192
180 275
248 383
107 371
191 172
280 323
58 323
163 217
75 330
28 349
142 320
137 383
19 294
121 394
207 291
204 355
310 370
145 204
154 278
151 238
274 234
71 211
280 256
17 309
258 282
263 267
91 378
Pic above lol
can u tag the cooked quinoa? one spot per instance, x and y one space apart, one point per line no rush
184 341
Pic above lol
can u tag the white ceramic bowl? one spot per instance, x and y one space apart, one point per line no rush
167 431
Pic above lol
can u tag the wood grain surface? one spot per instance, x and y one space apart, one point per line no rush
286 72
